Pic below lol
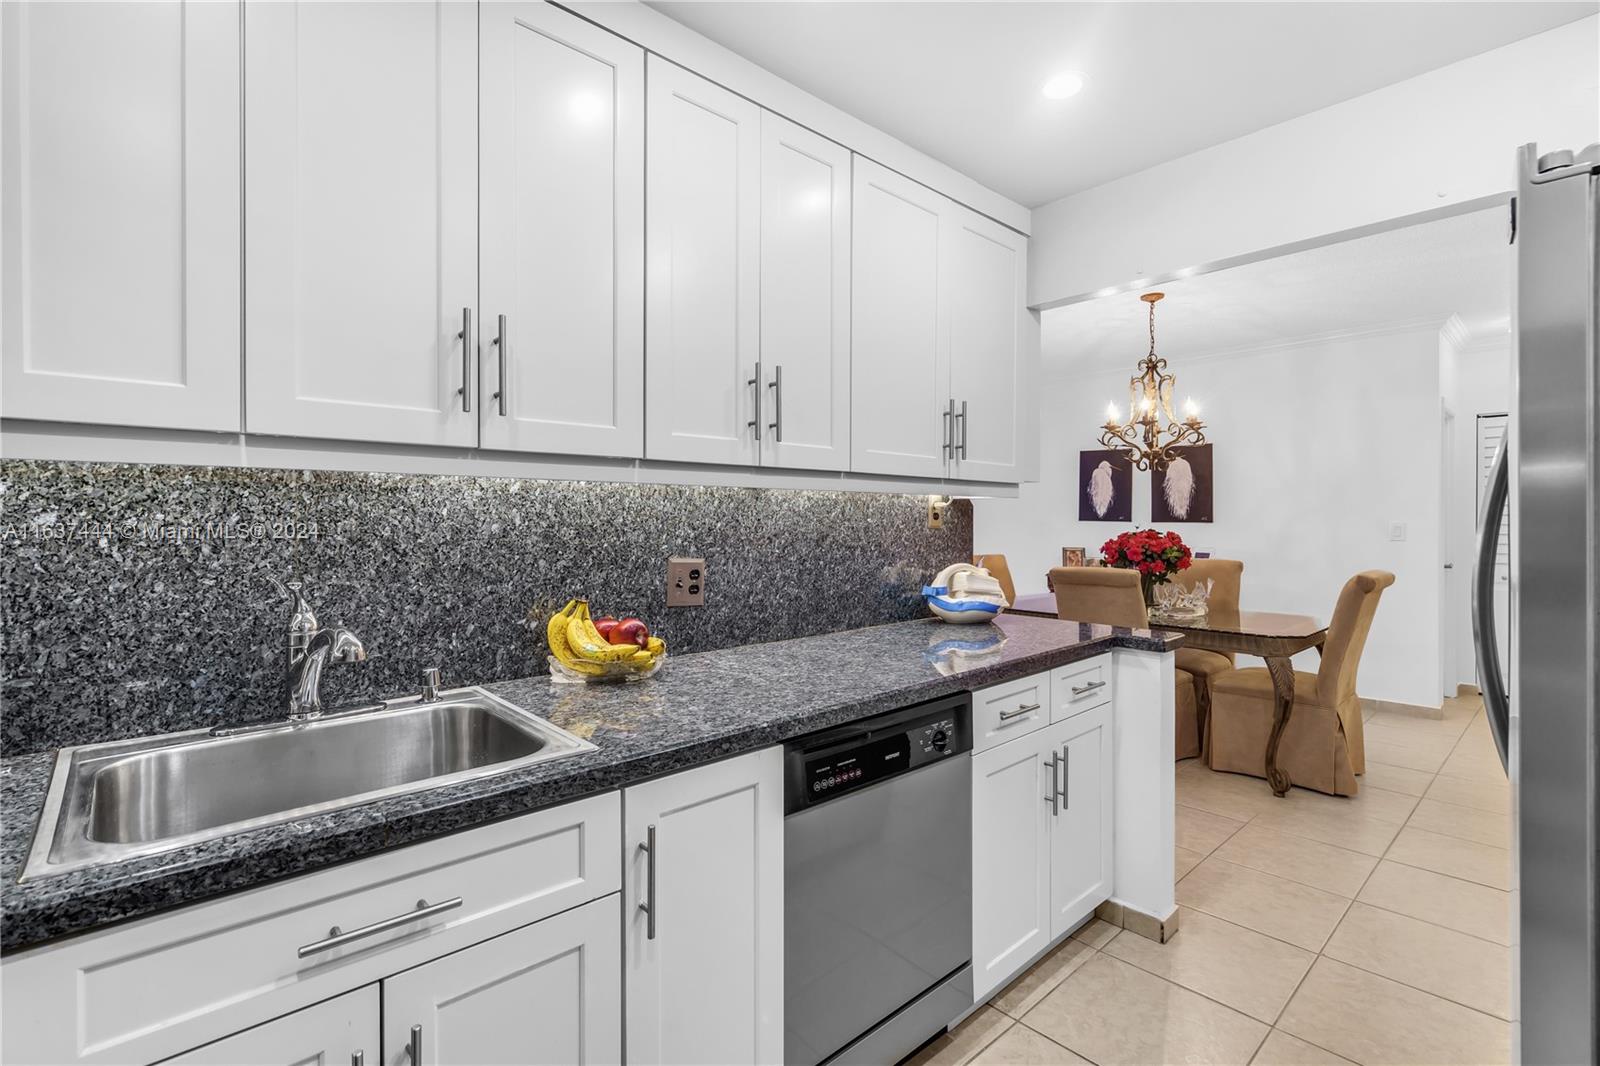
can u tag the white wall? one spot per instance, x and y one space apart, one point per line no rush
1442 138
1319 446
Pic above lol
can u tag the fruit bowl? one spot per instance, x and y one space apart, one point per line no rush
612 673
584 649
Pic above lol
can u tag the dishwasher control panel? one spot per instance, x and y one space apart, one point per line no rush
842 760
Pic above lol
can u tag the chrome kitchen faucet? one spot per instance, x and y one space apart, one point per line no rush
311 648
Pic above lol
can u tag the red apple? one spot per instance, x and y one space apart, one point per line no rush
630 631
605 625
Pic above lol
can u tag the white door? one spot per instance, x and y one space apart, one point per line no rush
1011 826
900 378
702 269
561 103
985 284
119 233
334 1031
361 172
805 298
550 992
1080 832
703 922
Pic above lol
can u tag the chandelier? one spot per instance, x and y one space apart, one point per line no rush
1143 438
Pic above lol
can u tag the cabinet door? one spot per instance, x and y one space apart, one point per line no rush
702 269
985 284
334 1031
561 105
900 378
805 298
1080 836
550 992
119 231
1011 827
704 925
361 204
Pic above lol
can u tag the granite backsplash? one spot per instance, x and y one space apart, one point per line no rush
137 599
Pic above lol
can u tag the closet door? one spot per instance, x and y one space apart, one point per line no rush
702 269
900 376
361 203
805 298
986 278
562 147
119 230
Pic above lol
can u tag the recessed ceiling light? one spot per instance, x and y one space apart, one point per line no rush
1062 86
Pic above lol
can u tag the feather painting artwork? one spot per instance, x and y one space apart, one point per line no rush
1178 487
1105 487
1182 490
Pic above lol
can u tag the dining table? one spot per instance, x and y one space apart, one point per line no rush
1271 636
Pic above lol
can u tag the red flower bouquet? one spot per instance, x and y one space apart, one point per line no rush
1157 556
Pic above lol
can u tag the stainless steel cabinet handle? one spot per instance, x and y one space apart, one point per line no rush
1026 708
962 418
466 359
1054 798
1079 690
949 428
1065 755
338 939
1496 703
755 391
776 385
358 1057
414 1046
500 343
649 905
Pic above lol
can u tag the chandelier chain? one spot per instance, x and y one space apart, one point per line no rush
1152 329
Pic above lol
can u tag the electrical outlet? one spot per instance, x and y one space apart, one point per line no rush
1397 531
686 582
937 506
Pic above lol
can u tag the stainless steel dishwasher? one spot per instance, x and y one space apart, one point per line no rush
878 884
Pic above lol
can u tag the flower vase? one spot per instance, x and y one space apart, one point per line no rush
1147 583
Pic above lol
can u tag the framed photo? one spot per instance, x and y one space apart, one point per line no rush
1181 491
1105 487
1074 557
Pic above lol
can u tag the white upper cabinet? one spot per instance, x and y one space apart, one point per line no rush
986 280
561 103
361 282
805 298
702 272
119 232
900 378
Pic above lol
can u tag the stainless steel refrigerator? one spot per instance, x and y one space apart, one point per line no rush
1543 713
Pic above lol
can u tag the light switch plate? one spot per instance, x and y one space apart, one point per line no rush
1397 531
686 582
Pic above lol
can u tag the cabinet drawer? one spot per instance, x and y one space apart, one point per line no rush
1010 710
1079 686
164 984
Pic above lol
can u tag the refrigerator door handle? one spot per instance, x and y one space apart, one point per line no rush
1496 703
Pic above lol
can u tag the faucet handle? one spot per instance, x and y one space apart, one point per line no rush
302 621
430 684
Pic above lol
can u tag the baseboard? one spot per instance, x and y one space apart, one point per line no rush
1148 926
1415 710
1464 689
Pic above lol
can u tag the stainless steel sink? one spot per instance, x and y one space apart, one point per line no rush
123 799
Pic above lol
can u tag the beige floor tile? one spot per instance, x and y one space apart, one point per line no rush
1280 908
1405 756
1371 1019
1468 823
1184 860
1458 967
960 1044
1450 725
1341 828
1395 778
1482 795
1114 1013
1434 897
1040 979
1281 1049
1380 737
1474 758
1235 796
1095 933
1021 1046
1375 803
1235 966
1311 862
1466 859
1203 831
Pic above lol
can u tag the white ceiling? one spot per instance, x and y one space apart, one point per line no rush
960 81
1454 266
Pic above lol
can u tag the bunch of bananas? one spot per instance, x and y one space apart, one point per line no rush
578 646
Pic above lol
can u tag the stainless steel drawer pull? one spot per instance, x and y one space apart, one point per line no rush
1079 690
466 359
414 1046
649 904
338 939
500 343
1026 708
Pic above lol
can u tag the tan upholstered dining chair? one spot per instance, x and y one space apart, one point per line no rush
1322 746
1225 575
1000 570
1112 597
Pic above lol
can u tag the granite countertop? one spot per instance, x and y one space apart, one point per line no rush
700 708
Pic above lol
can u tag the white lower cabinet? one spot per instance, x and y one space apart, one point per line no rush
550 992
703 929
1080 833
336 1031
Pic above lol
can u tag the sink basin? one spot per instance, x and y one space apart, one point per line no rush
123 799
